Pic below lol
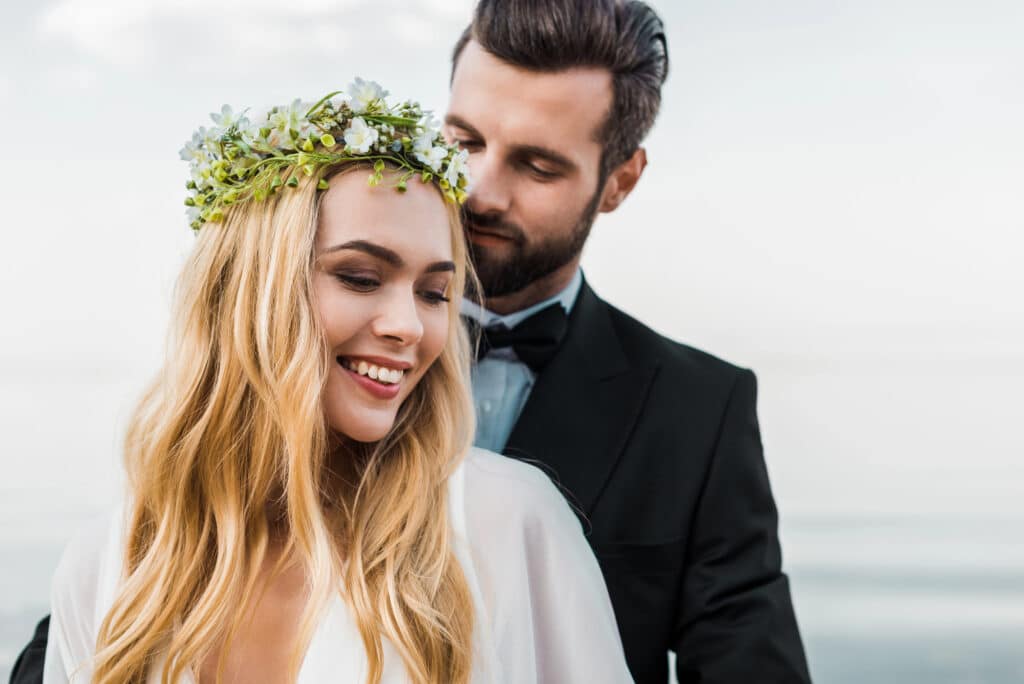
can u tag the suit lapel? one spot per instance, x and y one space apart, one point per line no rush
583 406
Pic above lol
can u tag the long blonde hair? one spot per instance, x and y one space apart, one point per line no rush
233 426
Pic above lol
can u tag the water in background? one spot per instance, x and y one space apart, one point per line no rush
913 610
893 597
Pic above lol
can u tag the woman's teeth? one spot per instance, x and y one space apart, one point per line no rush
385 376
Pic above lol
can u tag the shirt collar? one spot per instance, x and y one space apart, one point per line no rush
567 297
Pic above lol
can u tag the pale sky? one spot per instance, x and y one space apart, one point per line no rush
833 199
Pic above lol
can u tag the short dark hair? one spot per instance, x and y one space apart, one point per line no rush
625 37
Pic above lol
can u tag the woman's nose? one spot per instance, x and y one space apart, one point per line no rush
400 319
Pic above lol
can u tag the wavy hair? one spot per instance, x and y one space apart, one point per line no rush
230 441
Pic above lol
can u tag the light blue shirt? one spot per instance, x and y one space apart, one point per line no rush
501 382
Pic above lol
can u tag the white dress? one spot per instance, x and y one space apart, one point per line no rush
542 609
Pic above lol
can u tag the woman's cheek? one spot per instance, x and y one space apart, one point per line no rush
436 334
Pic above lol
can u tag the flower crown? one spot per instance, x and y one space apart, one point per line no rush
238 160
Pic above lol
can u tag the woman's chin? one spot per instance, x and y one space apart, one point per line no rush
369 429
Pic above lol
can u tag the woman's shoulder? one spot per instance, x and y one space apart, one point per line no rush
501 488
517 481
83 569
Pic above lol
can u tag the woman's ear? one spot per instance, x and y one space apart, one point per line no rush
622 180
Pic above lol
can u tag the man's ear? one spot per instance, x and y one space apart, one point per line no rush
622 180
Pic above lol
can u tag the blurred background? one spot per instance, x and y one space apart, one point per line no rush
834 199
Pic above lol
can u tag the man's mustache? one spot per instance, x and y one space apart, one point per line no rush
495 225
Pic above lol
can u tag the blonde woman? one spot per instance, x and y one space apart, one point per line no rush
304 503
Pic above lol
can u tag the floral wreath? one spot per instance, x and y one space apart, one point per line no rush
238 160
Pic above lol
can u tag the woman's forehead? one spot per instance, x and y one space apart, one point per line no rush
414 222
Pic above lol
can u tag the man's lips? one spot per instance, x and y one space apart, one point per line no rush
487 236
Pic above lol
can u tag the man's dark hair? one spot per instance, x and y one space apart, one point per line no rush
625 37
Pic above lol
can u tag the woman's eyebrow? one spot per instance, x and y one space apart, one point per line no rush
441 267
383 253
388 256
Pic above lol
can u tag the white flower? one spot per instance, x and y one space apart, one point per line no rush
427 153
360 137
434 158
289 118
192 151
364 94
280 140
227 118
429 124
457 167
211 140
200 173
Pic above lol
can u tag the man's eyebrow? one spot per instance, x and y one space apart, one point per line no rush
458 121
386 255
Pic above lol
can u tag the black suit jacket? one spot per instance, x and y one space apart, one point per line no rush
657 446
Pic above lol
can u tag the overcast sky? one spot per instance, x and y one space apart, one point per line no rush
833 198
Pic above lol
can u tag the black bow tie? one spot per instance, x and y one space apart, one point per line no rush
535 339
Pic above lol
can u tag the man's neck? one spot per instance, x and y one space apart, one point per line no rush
537 291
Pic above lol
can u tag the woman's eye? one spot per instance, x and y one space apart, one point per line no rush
434 296
358 283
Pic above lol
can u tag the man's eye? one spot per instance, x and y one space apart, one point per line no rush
540 173
358 283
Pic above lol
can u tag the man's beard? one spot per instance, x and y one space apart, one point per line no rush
528 263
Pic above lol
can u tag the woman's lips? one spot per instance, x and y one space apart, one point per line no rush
376 389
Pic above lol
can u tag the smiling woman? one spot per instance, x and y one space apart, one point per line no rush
384 273
304 503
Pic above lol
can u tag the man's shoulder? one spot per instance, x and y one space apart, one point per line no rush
644 345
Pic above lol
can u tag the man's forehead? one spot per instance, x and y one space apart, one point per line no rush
569 104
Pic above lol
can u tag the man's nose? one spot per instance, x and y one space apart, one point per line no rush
400 321
491 190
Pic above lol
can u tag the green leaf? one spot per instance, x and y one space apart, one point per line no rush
322 100
293 181
322 184
378 165
327 140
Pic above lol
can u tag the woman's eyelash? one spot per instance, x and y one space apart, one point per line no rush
365 284
357 282
435 297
